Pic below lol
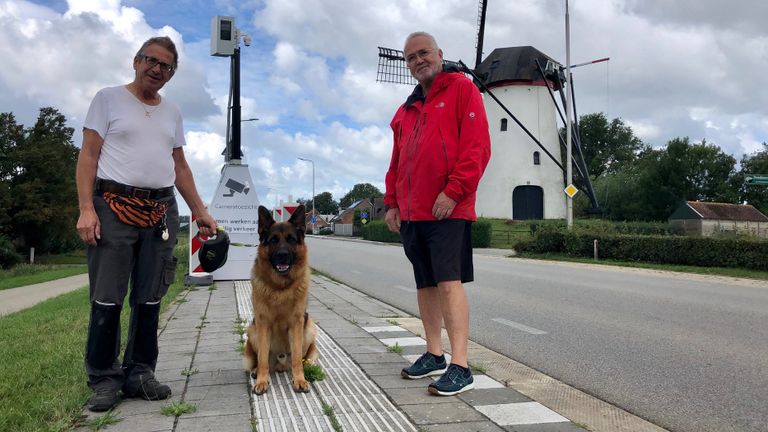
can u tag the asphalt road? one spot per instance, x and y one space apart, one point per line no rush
688 353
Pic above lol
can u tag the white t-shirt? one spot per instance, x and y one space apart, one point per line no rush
137 148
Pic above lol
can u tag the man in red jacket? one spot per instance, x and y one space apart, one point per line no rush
441 148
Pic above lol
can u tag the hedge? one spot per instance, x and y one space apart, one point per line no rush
608 227
377 231
695 251
8 255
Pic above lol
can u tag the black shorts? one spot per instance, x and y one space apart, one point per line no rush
440 251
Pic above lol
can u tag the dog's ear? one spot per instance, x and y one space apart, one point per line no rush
265 222
299 218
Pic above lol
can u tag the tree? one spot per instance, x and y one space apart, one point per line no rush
755 195
43 190
11 135
607 147
325 204
684 172
358 192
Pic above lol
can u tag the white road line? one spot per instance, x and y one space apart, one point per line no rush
405 288
519 326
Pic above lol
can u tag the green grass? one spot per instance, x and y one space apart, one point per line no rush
73 257
396 348
478 368
178 408
29 274
103 421
329 411
43 385
313 372
504 235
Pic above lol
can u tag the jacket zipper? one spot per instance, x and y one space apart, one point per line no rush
413 142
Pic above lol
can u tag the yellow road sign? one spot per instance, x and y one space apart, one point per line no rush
571 190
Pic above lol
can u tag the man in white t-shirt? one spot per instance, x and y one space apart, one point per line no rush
131 159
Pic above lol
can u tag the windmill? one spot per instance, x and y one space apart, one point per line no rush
525 177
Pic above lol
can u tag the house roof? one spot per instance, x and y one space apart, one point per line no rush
351 208
719 211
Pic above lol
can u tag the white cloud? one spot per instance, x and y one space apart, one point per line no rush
675 70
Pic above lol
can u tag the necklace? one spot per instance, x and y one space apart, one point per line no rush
147 112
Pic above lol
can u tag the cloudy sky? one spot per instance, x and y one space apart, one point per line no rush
678 68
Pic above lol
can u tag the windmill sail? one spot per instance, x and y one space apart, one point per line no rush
392 67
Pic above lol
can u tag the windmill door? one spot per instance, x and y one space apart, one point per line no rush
527 203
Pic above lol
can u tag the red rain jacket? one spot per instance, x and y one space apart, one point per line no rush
441 144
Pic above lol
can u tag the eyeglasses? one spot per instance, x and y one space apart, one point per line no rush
421 54
152 62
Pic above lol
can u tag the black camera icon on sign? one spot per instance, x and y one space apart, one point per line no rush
236 187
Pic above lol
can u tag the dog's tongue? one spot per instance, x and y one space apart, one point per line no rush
282 267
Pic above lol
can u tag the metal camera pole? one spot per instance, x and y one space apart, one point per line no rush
568 111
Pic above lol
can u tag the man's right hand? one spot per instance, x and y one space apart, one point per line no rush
393 220
89 227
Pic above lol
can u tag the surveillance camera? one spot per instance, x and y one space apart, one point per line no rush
246 40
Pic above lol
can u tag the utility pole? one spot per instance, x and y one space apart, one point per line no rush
314 216
568 113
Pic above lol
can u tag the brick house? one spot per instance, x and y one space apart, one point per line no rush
343 223
708 218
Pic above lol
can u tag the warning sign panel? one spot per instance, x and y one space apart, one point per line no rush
235 207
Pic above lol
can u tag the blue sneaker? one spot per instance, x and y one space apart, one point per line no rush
454 381
424 366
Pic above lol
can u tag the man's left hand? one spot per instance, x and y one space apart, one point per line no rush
206 224
443 206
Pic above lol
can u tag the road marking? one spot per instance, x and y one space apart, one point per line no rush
405 288
521 413
519 326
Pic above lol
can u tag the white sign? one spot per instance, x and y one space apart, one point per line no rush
235 207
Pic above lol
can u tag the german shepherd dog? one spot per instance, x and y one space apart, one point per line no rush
282 333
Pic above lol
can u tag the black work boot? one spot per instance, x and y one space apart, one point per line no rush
103 399
149 389
141 355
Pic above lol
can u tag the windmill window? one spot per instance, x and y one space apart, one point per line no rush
536 158
503 124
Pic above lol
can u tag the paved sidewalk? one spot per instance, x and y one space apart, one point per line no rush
16 299
200 359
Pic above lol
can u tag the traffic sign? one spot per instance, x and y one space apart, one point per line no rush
756 179
363 221
313 220
571 190
364 214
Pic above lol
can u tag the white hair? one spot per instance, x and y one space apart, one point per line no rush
421 34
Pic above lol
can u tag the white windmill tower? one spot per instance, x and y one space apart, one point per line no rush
524 179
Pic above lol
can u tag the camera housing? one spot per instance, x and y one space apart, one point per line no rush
223 36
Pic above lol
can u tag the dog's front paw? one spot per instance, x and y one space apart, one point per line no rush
300 385
260 387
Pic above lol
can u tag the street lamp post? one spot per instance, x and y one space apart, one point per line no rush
314 217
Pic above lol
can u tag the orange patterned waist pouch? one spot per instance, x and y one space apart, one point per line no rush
138 212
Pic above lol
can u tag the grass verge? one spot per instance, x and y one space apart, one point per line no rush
43 385
29 274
